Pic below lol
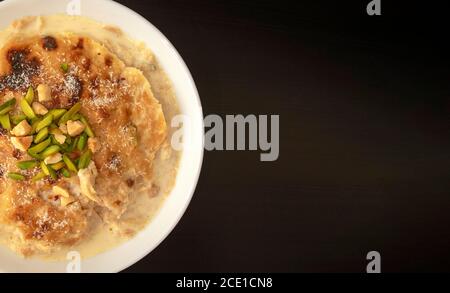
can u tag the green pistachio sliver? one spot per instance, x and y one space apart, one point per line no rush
74 144
85 159
65 173
53 126
6 110
34 155
76 117
40 147
16 176
56 113
29 97
27 110
5 122
7 104
65 147
70 165
45 169
65 67
41 135
51 150
16 119
26 165
47 121
53 174
58 166
88 128
34 123
82 141
67 116
41 175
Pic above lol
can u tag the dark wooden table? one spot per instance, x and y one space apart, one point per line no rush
364 162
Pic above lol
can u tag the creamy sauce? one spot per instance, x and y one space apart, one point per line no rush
144 207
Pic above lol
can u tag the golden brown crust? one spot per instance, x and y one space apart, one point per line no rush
117 100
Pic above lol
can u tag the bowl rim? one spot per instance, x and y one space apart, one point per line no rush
122 265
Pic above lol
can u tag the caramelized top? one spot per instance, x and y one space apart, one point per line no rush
127 119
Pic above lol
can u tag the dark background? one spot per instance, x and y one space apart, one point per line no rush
364 161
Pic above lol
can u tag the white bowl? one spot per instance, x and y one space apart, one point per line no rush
138 28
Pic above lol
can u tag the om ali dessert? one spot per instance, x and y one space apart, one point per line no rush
83 136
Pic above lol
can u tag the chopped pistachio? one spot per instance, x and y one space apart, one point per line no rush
34 124
41 135
74 144
44 123
44 93
22 143
34 155
57 113
67 116
48 171
6 110
58 166
27 110
53 149
40 147
70 165
52 172
65 173
22 129
65 67
5 122
82 141
76 117
16 176
88 129
29 96
26 165
85 160
41 175
16 119
7 106
65 147
45 169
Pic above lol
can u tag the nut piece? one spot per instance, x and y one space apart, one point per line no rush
53 159
22 129
75 128
65 201
61 138
87 182
39 109
93 144
22 143
44 93
63 128
58 190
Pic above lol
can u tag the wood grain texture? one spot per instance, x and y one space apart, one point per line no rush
364 165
